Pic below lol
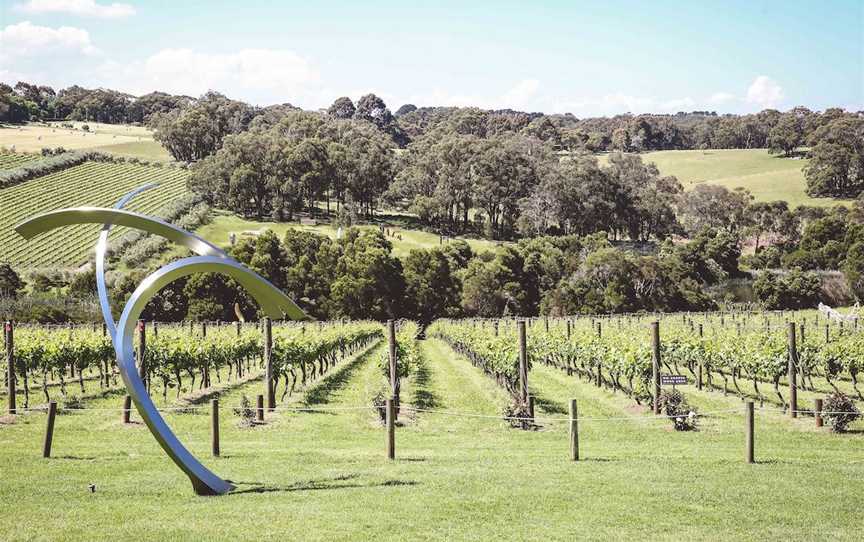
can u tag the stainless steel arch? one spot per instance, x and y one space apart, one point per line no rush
101 250
211 259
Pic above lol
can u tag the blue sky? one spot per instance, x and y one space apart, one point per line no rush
588 58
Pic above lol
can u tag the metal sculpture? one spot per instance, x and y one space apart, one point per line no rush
209 259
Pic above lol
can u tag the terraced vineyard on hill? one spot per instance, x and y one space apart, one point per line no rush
11 160
91 183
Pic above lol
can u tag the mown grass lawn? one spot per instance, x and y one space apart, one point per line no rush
324 476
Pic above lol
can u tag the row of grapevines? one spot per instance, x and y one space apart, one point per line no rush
407 354
497 355
53 355
313 351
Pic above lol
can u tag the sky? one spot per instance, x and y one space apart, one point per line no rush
586 58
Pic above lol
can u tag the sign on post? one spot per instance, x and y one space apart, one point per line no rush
673 380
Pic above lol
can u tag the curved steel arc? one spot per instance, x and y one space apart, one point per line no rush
203 480
211 260
101 250
101 215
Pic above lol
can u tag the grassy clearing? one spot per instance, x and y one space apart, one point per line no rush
769 177
219 230
323 476
134 141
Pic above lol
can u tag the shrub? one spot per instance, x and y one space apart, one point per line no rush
794 290
245 412
379 403
674 404
517 416
840 411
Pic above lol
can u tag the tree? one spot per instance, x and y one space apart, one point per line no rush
491 289
342 108
10 282
786 135
836 166
644 199
373 109
405 109
714 207
853 269
431 287
197 131
369 280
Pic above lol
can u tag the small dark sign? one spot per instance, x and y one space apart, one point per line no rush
673 380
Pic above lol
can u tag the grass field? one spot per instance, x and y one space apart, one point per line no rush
769 177
91 183
324 476
218 231
123 140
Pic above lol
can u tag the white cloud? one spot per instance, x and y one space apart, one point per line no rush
764 92
85 8
520 96
523 95
262 75
721 98
28 40
678 104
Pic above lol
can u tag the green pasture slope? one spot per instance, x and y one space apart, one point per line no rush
91 183
324 476
404 239
769 177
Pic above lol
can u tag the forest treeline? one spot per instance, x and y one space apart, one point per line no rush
194 128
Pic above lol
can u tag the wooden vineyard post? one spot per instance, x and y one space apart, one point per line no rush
127 408
827 333
699 368
260 408
793 366
574 431
495 325
531 407
748 425
655 366
817 411
599 362
391 353
9 335
391 429
268 365
214 422
546 323
49 429
155 330
238 324
569 329
523 363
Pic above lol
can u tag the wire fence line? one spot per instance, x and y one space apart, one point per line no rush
451 413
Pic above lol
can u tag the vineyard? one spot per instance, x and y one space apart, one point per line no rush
91 183
11 160
320 450
742 354
179 358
